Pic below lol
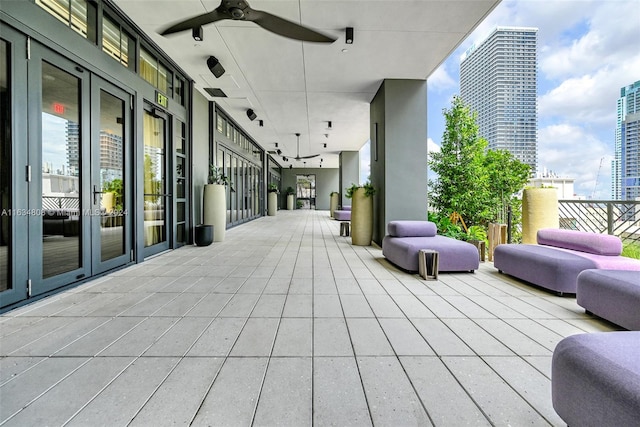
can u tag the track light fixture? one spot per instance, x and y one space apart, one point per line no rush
261 123
290 166
276 144
324 145
278 151
329 124
251 114
215 66
197 33
348 39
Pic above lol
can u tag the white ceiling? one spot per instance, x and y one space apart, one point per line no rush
298 86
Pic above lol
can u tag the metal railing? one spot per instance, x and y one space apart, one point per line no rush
60 203
617 217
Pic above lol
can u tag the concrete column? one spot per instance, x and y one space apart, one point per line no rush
349 173
399 153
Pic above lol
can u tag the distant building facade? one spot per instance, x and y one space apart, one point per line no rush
625 171
498 80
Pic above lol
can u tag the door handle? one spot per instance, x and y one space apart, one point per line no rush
95 194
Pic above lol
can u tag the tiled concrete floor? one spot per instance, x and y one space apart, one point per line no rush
285 323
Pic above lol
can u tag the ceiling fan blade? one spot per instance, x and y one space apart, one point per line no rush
195 22
285 28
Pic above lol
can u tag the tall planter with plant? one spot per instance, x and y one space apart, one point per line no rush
333 202
214 203
361 213
291 193
272 199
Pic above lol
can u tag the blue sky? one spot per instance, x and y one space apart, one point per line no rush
587 51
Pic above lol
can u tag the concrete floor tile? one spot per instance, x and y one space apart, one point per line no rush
384 306
218 338
412 307
517 341
481 342
240 305
391 397
295 338
179 339
232 399
180 395
368 338
128 392
269 305
441 307
136 341
210 306
355 306
286 396
327 306
100 338
180 305
256 338
338 397
63 401
298 306
499 402
445 400
331 338
254 285
468 307
404 338
441 339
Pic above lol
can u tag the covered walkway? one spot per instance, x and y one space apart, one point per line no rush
285 323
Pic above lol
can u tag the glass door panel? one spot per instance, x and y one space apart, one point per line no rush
61 154
111 219
155 204
5 168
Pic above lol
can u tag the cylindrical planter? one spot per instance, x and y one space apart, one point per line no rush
272 203
204 234
539 210
290 202
333 203
215 209
361 218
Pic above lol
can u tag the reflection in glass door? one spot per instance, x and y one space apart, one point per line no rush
155 194
5 168
110 177
61 153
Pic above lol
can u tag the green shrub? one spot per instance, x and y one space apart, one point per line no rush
631 250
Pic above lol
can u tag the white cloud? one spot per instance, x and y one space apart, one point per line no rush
440 80
432 147
365 162
570 151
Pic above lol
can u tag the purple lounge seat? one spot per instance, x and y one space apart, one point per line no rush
343 214
595 379
560 255
613 295
406 238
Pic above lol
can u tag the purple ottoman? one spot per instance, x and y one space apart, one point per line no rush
613 295
595 379
406 238
544 266
343 214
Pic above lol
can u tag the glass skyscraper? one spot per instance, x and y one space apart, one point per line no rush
625 171
498 80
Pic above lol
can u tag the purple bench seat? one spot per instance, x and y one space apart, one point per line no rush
405 239
343 214
595 379
613 295
560 255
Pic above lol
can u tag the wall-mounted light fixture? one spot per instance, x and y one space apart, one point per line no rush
261 123
215 66
348 39
251 114
197 33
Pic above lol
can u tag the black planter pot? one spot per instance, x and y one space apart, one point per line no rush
204 235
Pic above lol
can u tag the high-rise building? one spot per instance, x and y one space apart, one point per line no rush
498 80
621 166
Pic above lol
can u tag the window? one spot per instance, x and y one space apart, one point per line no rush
117 43
79 15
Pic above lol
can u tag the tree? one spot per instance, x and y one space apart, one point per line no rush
461 184
477 183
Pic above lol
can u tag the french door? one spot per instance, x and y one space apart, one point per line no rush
79 173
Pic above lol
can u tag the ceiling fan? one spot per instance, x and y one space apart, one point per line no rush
298 157
240 10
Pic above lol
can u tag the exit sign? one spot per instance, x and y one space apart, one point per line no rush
162 100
